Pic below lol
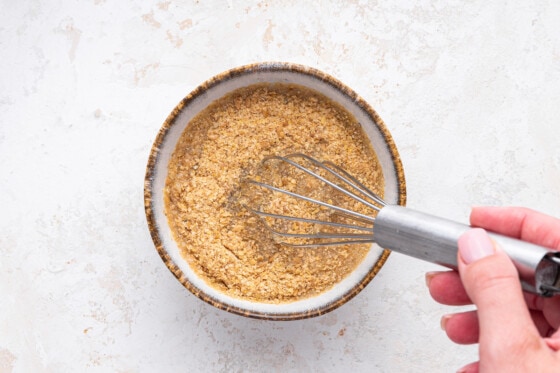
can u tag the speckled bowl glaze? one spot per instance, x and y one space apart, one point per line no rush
194 103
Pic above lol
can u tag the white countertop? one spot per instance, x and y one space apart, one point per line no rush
469 90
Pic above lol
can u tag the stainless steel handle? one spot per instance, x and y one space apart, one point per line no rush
434 239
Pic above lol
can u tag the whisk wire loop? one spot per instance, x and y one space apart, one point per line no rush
343 182
323 166
310 221
356 184
312 200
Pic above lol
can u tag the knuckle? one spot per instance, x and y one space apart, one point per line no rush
494 283
483 277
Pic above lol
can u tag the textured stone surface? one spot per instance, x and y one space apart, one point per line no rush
470 91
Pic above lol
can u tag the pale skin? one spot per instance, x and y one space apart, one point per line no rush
516 331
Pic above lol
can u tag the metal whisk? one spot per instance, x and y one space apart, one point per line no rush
393 227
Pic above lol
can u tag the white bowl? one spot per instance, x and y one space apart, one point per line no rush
199 99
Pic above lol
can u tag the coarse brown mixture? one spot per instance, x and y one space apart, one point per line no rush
223 242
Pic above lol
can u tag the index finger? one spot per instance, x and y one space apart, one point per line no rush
519 222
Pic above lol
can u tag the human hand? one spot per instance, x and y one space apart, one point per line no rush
516 331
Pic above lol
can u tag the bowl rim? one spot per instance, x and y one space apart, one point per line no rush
171 119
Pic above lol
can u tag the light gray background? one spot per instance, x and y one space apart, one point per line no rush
469 89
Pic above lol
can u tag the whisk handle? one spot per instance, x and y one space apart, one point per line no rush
434 239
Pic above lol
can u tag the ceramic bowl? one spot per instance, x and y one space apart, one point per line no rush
178 121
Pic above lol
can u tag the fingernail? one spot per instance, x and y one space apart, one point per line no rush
429 277
469 368
553 343
475 244
443 321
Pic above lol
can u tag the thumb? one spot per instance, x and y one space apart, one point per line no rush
492 283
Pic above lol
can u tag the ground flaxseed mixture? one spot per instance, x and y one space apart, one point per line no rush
224 243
